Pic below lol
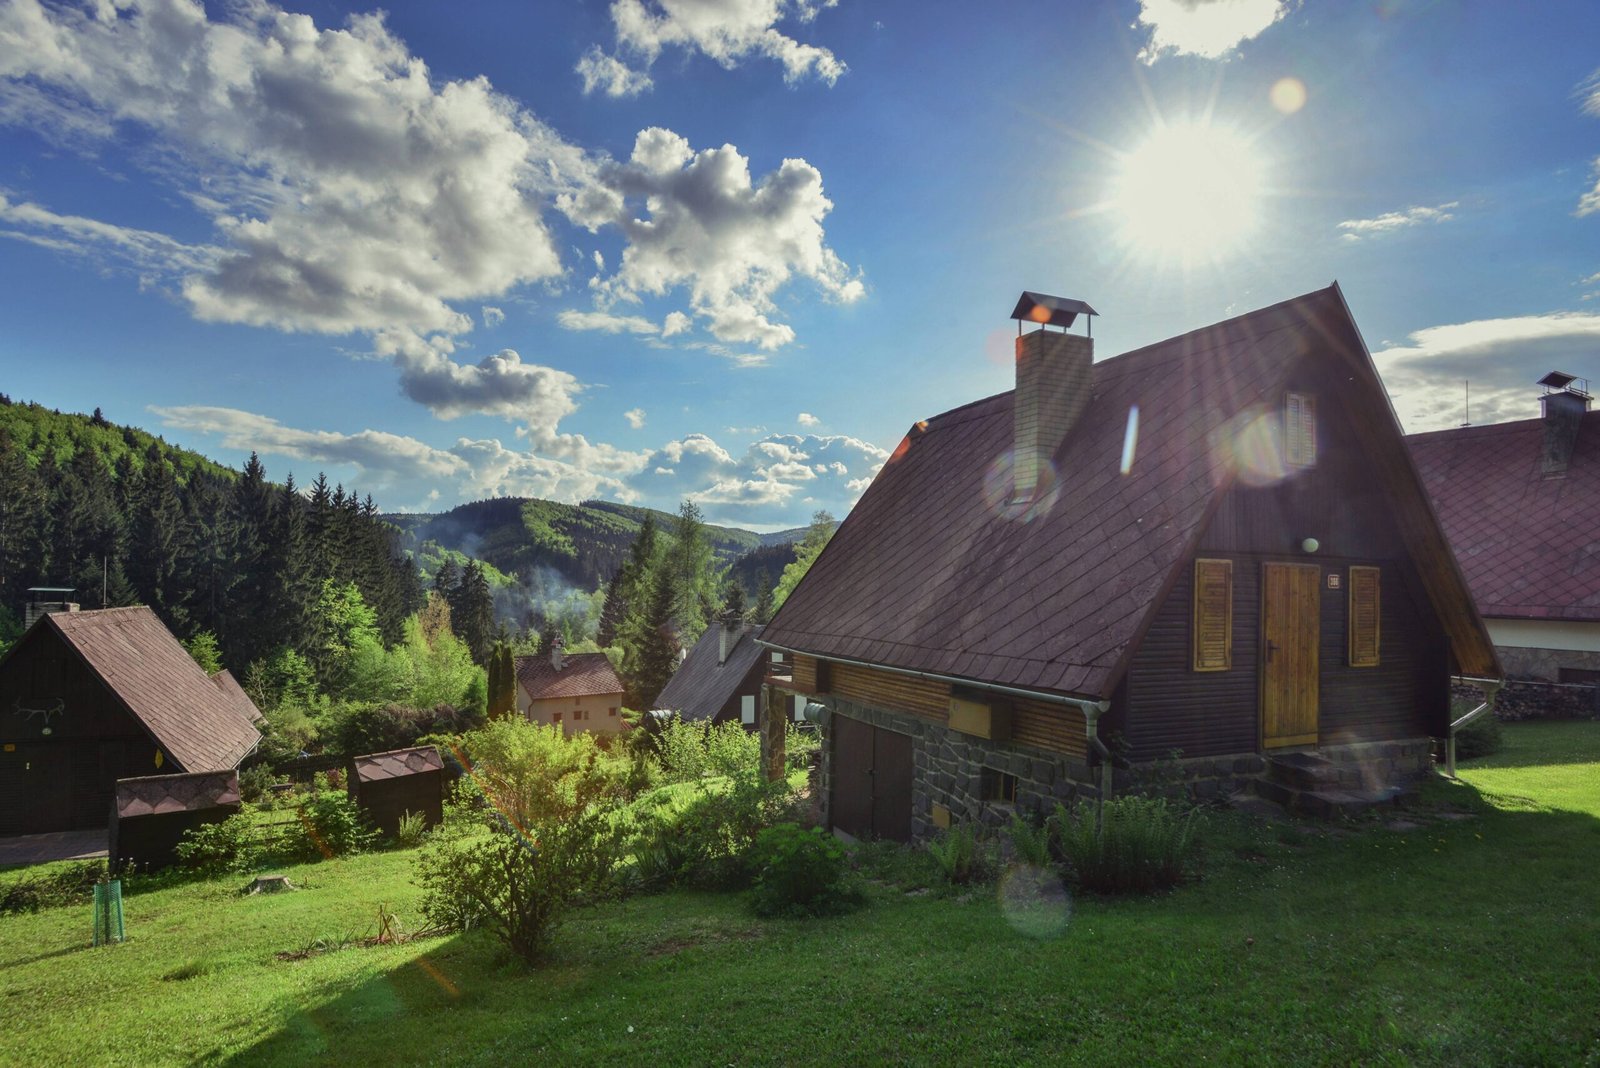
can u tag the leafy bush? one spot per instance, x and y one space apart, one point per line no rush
335 826
255 781
963 856
801 873
411 829
800 747
700 837
1142 843
1481 737
71 884
224 846
1030 841
537 775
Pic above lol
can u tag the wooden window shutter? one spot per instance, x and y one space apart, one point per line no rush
1364 609
1213 615
1300 429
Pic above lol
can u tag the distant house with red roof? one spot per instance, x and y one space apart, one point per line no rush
1216 546
88 698
1520 502
581 692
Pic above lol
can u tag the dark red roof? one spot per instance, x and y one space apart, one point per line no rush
158 795
701 686
373 767
581 675
203 724
930 573
1528 545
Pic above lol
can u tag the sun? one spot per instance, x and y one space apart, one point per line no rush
1191 191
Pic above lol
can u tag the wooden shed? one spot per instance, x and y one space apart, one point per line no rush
151 814
1212 553
389 785
89 698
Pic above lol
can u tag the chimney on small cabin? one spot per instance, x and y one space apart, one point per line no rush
732 626
44 600
1054 386
1565 400
557 661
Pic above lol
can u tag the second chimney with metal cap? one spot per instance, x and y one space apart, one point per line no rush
1054 385
1566 398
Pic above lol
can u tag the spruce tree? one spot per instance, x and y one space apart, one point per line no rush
764 607
658 646
615 609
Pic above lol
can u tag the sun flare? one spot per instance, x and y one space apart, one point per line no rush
1189 192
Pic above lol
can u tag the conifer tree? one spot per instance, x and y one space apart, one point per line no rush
764 607
657 656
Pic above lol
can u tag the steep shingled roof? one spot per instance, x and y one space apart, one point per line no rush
201 723
581 675
1528 545
933 571
701 686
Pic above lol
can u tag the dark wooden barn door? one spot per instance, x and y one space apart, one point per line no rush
37 795
871 794
1290 624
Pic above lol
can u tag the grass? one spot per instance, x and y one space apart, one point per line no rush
1460 941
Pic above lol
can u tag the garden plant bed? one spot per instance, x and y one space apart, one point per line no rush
1461 942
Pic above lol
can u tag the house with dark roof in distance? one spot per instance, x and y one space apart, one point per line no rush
88 698
721 680
1216 546
1520 502
581 692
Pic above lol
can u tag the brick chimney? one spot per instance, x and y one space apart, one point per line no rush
1054 385
732 626
557 661
1564 403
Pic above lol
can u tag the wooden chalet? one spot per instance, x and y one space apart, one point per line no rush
1215 548
87 698
721 680
1520 502
582 692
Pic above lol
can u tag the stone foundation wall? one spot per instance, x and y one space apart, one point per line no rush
1544 664
1199 779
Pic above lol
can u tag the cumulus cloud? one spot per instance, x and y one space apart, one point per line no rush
1501 358
1208 28
1356 229
493 316
697 221
500 384
635 417
807 419
727 31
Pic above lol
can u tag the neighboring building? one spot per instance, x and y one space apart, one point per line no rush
1216 546
87 698
152 813
582 692
389 785
1520 502
721 680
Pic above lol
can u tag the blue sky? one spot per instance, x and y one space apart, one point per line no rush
731 249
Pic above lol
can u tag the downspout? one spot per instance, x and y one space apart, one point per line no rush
1490 688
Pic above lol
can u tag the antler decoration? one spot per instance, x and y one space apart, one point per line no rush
54 708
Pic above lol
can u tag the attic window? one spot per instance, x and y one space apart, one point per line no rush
1213 615
1299 429
1364 609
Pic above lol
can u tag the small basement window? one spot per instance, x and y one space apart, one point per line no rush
996 785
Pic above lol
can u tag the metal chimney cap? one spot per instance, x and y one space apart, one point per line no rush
1559 380
1047 310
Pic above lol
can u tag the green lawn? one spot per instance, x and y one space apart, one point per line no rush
1464 941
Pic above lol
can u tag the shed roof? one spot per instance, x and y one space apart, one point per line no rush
933 571
581 675
701 686
203 724
396 763
159 795
1528 545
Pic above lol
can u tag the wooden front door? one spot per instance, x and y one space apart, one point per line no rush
871 795
1291 596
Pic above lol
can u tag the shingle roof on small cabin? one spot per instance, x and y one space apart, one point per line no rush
203 724
396 763
929 573
701 686
581 675
1528 545
160 795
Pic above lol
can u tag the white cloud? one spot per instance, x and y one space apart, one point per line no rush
696 220
142 250
493 316
1501 358
500 384
1208 28
1589 91
1356 229
726 31
606 323
610 75
807 419
635 417
676 323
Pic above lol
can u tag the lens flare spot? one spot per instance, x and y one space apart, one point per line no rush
1252 445
1001 499
1130 439
1034 901
1288 95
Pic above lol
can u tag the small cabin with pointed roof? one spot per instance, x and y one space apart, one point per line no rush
1215 549
88 698
720 681
577 692
152 813
390 785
